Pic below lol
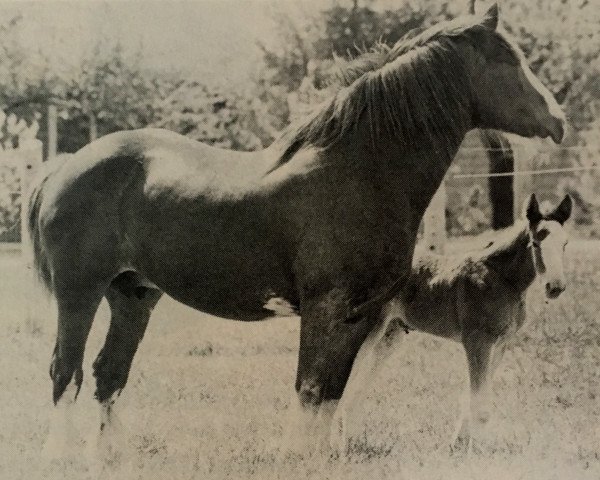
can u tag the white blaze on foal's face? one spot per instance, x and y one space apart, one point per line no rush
551 240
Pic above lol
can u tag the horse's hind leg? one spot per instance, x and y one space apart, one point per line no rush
131 302
76 310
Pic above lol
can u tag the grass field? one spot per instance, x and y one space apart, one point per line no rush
207 398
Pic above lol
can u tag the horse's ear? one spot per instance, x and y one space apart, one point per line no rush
532 209
490 18
562 213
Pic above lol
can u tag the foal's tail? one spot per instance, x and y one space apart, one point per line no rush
40 258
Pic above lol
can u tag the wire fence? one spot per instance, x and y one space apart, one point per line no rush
541 171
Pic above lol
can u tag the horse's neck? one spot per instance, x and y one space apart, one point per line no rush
407 176
515 265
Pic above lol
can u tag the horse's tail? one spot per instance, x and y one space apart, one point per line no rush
40 258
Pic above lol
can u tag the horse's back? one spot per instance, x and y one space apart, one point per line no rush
100 172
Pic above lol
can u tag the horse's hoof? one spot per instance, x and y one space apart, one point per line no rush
64 441
465 445
338 441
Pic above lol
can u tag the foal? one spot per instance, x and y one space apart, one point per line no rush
477 299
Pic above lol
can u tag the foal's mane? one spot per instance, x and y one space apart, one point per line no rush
414 89
503 241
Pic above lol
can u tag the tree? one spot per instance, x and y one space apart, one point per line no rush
25 82
223 119
110 91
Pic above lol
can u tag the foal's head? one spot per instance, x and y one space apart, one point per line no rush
507 95
547 241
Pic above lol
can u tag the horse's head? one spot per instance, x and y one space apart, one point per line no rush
548 240
506 93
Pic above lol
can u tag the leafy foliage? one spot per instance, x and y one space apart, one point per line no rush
112 90
226 120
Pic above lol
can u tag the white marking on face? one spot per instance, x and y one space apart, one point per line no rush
552 248
551 103
550 112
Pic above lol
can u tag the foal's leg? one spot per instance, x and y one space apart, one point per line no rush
480 349
76 310
131 304
374 352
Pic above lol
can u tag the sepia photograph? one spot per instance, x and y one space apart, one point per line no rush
300 239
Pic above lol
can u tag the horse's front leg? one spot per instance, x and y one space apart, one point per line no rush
484 352
328 346
382 340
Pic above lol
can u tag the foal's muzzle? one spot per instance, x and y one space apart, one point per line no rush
554 289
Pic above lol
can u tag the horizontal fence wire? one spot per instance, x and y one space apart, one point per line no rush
526 172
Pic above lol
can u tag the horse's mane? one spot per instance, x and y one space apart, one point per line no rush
412 89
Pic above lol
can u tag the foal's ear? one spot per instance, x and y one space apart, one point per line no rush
490 18
562 213
532 209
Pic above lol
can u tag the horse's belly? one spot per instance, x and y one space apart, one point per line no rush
222 257
238 287
246 308
229 299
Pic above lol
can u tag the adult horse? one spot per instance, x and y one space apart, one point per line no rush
326 218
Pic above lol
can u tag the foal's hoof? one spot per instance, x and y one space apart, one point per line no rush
464 445
460 445
338 439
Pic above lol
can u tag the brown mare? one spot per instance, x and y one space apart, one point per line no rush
477 299
325 218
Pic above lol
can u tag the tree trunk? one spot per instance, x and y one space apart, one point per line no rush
501 160
51 117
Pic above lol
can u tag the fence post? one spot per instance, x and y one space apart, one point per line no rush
522 184
31 152
52 126
31 157
434 222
